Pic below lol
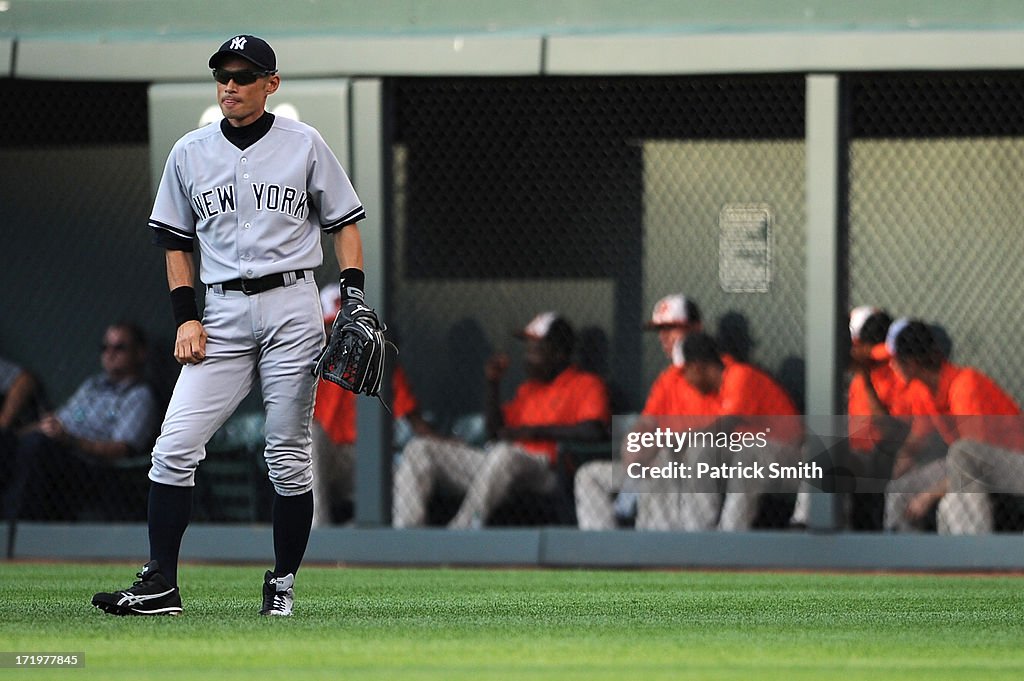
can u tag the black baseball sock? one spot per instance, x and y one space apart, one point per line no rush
170 509
293 518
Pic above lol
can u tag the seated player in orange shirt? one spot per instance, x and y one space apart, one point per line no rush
556 402
874 433
673 317
875 427
978 420
334 427
749 403
874 384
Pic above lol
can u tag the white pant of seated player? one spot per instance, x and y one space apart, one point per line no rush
485 476
975 471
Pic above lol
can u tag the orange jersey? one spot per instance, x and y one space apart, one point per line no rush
864 434
335 408
671 395
965 395
574 396
748 391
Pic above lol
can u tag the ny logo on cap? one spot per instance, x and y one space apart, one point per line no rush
238 43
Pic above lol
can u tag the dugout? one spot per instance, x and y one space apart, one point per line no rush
548 158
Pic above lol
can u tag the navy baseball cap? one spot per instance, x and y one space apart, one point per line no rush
249 47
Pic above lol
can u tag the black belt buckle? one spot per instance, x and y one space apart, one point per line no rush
250 286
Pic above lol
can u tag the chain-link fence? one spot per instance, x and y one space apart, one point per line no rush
592 197
74 161
935 207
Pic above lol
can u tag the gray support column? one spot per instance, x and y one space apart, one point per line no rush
373 447
822 325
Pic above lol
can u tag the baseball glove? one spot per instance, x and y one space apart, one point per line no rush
356 350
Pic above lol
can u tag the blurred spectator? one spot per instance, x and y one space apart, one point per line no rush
63 461
673 317
18 402
974 416
19 394
334 428
556 402
747 402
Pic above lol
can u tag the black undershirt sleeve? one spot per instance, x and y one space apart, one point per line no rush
171 242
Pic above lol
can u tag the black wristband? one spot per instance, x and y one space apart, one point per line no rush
183 302
352 278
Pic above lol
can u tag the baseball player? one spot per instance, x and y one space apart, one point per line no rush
874 394
557 401
748 401
978 420
255 192
673 318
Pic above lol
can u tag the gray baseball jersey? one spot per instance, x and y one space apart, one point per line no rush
256 211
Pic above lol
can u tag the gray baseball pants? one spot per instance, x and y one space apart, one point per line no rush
272 336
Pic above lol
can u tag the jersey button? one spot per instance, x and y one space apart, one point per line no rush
246 176
248 225
245 160
248 273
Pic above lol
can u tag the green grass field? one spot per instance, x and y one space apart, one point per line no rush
525 624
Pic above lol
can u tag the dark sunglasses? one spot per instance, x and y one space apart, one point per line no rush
223 76
114 347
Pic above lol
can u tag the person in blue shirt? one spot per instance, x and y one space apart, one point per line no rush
61 462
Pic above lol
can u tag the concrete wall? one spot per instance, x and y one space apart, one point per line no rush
149 18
